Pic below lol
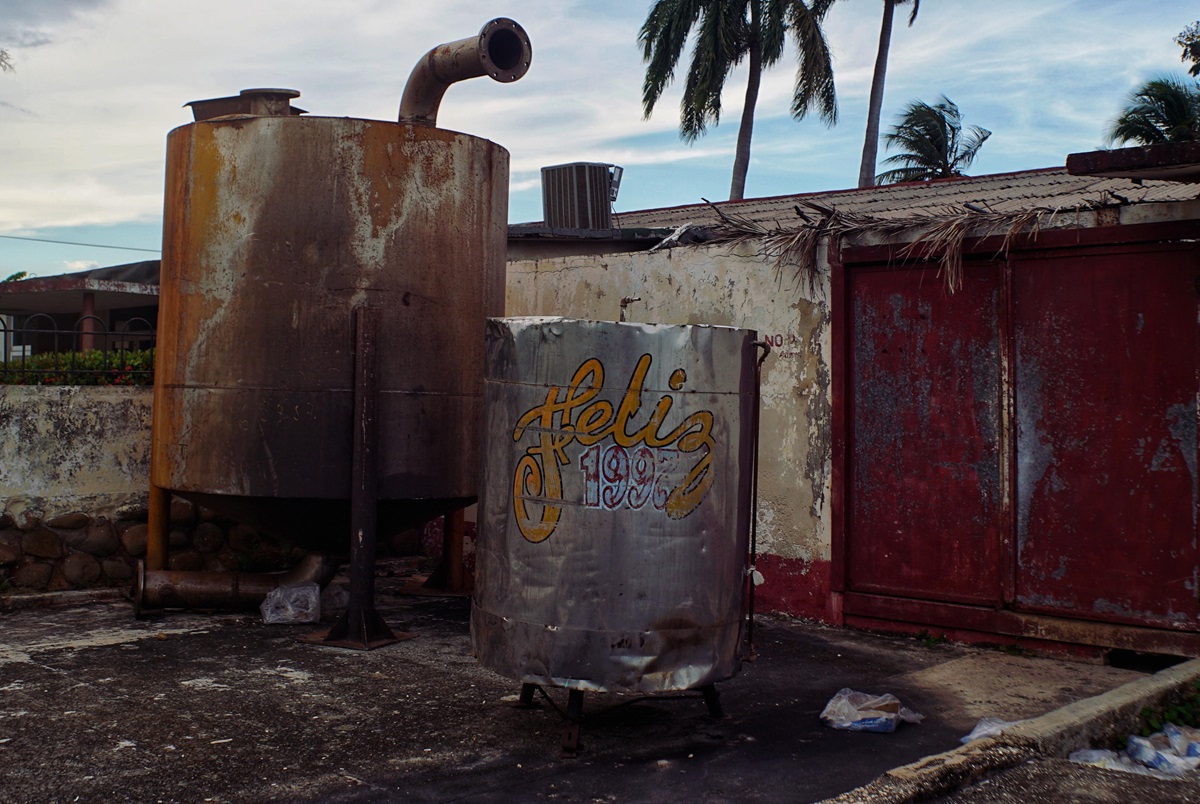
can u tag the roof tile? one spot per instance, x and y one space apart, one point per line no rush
1049 188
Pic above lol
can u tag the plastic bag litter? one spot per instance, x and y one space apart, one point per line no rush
1104 758
299 603
1166 754
1185 741
988 727
862 711
1157 753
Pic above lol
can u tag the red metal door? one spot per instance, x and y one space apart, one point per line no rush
925 509
1106 405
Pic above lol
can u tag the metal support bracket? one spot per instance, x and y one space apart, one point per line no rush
361 627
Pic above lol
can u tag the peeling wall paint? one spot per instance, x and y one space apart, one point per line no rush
69 448
1105 393
730 287
924 419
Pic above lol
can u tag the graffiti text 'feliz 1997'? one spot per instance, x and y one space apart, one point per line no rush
575 416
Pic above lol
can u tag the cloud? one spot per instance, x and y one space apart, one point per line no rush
19 109
28 24
80 265
28 38
15 13
87 113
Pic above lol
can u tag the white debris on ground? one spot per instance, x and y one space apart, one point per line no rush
863 711
297 603
1167 754
988 727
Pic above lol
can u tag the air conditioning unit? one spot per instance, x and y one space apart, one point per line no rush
579 195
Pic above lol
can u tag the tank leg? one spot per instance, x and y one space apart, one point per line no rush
574 724
158 528
526 699
454 528
361 627
451 576
712 699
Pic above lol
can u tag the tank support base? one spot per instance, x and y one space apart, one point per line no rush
362 627
574 725
526 700
712 699
573 714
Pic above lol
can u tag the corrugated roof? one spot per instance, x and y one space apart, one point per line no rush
1049 188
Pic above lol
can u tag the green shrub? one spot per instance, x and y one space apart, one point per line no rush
81 368
1185 712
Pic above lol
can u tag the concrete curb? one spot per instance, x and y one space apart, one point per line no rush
1101 718
79 597
1082 724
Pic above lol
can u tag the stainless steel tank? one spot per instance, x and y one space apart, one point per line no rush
615 508
277 227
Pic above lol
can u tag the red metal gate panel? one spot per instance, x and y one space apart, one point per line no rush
1106 406
924 511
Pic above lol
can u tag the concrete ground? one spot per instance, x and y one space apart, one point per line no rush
97 706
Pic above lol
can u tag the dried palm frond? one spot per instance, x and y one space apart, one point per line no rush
944 236
782 246
937 235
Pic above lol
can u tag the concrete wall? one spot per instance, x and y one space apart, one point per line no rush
74 477
71 448
731 287
74 468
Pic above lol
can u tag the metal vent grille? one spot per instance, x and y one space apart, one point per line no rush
577 196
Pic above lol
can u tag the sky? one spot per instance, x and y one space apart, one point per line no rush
98 84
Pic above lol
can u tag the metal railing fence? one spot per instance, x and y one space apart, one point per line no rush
40 352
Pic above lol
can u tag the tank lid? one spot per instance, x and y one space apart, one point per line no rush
263 102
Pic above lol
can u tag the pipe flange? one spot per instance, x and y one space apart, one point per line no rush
504 50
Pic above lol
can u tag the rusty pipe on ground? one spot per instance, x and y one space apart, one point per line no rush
163 589
500 50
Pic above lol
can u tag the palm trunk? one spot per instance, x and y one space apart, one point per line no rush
866 171
741 157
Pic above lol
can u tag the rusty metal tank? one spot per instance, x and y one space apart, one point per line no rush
277 227
615 510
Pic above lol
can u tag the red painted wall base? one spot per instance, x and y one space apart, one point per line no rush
796 587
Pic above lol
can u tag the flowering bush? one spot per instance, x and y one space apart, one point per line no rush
95 367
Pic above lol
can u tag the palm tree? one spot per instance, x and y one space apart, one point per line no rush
866 170
726 32
1163 109
933 142
1189 40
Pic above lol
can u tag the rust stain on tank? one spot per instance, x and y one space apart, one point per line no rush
277 228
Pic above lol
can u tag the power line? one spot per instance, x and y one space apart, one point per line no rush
89 245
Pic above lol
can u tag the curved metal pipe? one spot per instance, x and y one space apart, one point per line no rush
161 589
500 51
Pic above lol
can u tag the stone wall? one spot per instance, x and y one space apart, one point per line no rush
74 474
731 287
78 550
